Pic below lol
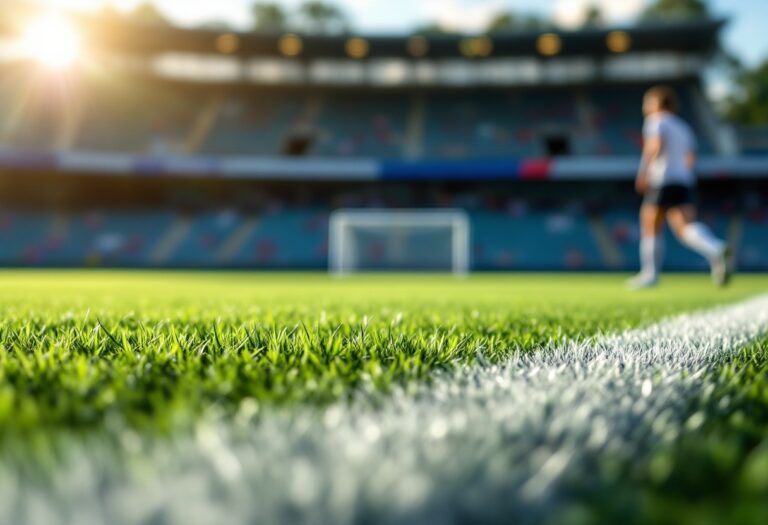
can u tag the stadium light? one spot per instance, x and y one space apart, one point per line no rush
482 46
357 47
618 41
227 43
549 44
476 47
53 41
290 45
418 46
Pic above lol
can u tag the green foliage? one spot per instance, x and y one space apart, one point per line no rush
317 16
749 106
432 29
147 14
509 21
269 17
661 10
594 16
312 16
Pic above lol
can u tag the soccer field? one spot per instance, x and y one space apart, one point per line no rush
376 399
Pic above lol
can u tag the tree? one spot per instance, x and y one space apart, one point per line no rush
216 25
317 16
507 22
749 106
269 17
109 13
432 29
675 9
148 14
593 17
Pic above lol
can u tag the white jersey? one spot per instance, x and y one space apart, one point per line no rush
677 143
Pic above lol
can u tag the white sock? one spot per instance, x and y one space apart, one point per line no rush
700 239
651 249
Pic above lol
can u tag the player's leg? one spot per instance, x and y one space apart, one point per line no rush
651 246
699 238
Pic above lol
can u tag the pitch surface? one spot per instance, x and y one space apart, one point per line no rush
432 387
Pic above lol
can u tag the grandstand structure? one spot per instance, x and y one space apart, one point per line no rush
166 147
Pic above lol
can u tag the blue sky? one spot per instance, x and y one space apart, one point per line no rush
747 35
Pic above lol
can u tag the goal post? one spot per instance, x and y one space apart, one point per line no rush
399 240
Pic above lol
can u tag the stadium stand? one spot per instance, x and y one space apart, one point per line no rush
152 118
547 241
497 123
102 239
542 165
30 115
255 126
205 239
24 238
552 238
754 141
361 125
156 119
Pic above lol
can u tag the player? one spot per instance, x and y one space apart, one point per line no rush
667 182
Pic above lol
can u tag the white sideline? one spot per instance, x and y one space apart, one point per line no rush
486 443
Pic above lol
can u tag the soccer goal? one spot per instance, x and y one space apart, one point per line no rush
399 240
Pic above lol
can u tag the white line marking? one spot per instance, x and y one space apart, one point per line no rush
479 444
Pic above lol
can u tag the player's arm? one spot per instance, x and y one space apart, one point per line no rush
691 159
651 151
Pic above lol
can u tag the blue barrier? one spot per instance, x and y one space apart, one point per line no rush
276 168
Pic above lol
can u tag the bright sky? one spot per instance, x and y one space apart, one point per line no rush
746 35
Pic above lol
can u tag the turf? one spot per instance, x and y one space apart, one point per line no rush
154 348
714 473
93 355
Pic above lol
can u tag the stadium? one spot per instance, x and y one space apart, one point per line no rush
341 277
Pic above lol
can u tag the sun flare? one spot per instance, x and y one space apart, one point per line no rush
53 41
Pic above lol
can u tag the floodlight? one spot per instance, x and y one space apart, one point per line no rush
549 44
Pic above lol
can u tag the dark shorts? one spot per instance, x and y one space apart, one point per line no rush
671 196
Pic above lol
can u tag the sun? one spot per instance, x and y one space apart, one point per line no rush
53 41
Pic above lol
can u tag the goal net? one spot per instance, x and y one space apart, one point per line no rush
399 240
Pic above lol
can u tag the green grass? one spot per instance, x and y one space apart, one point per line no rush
105 355
717 473
158 349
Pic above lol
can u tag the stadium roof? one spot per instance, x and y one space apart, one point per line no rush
691 36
